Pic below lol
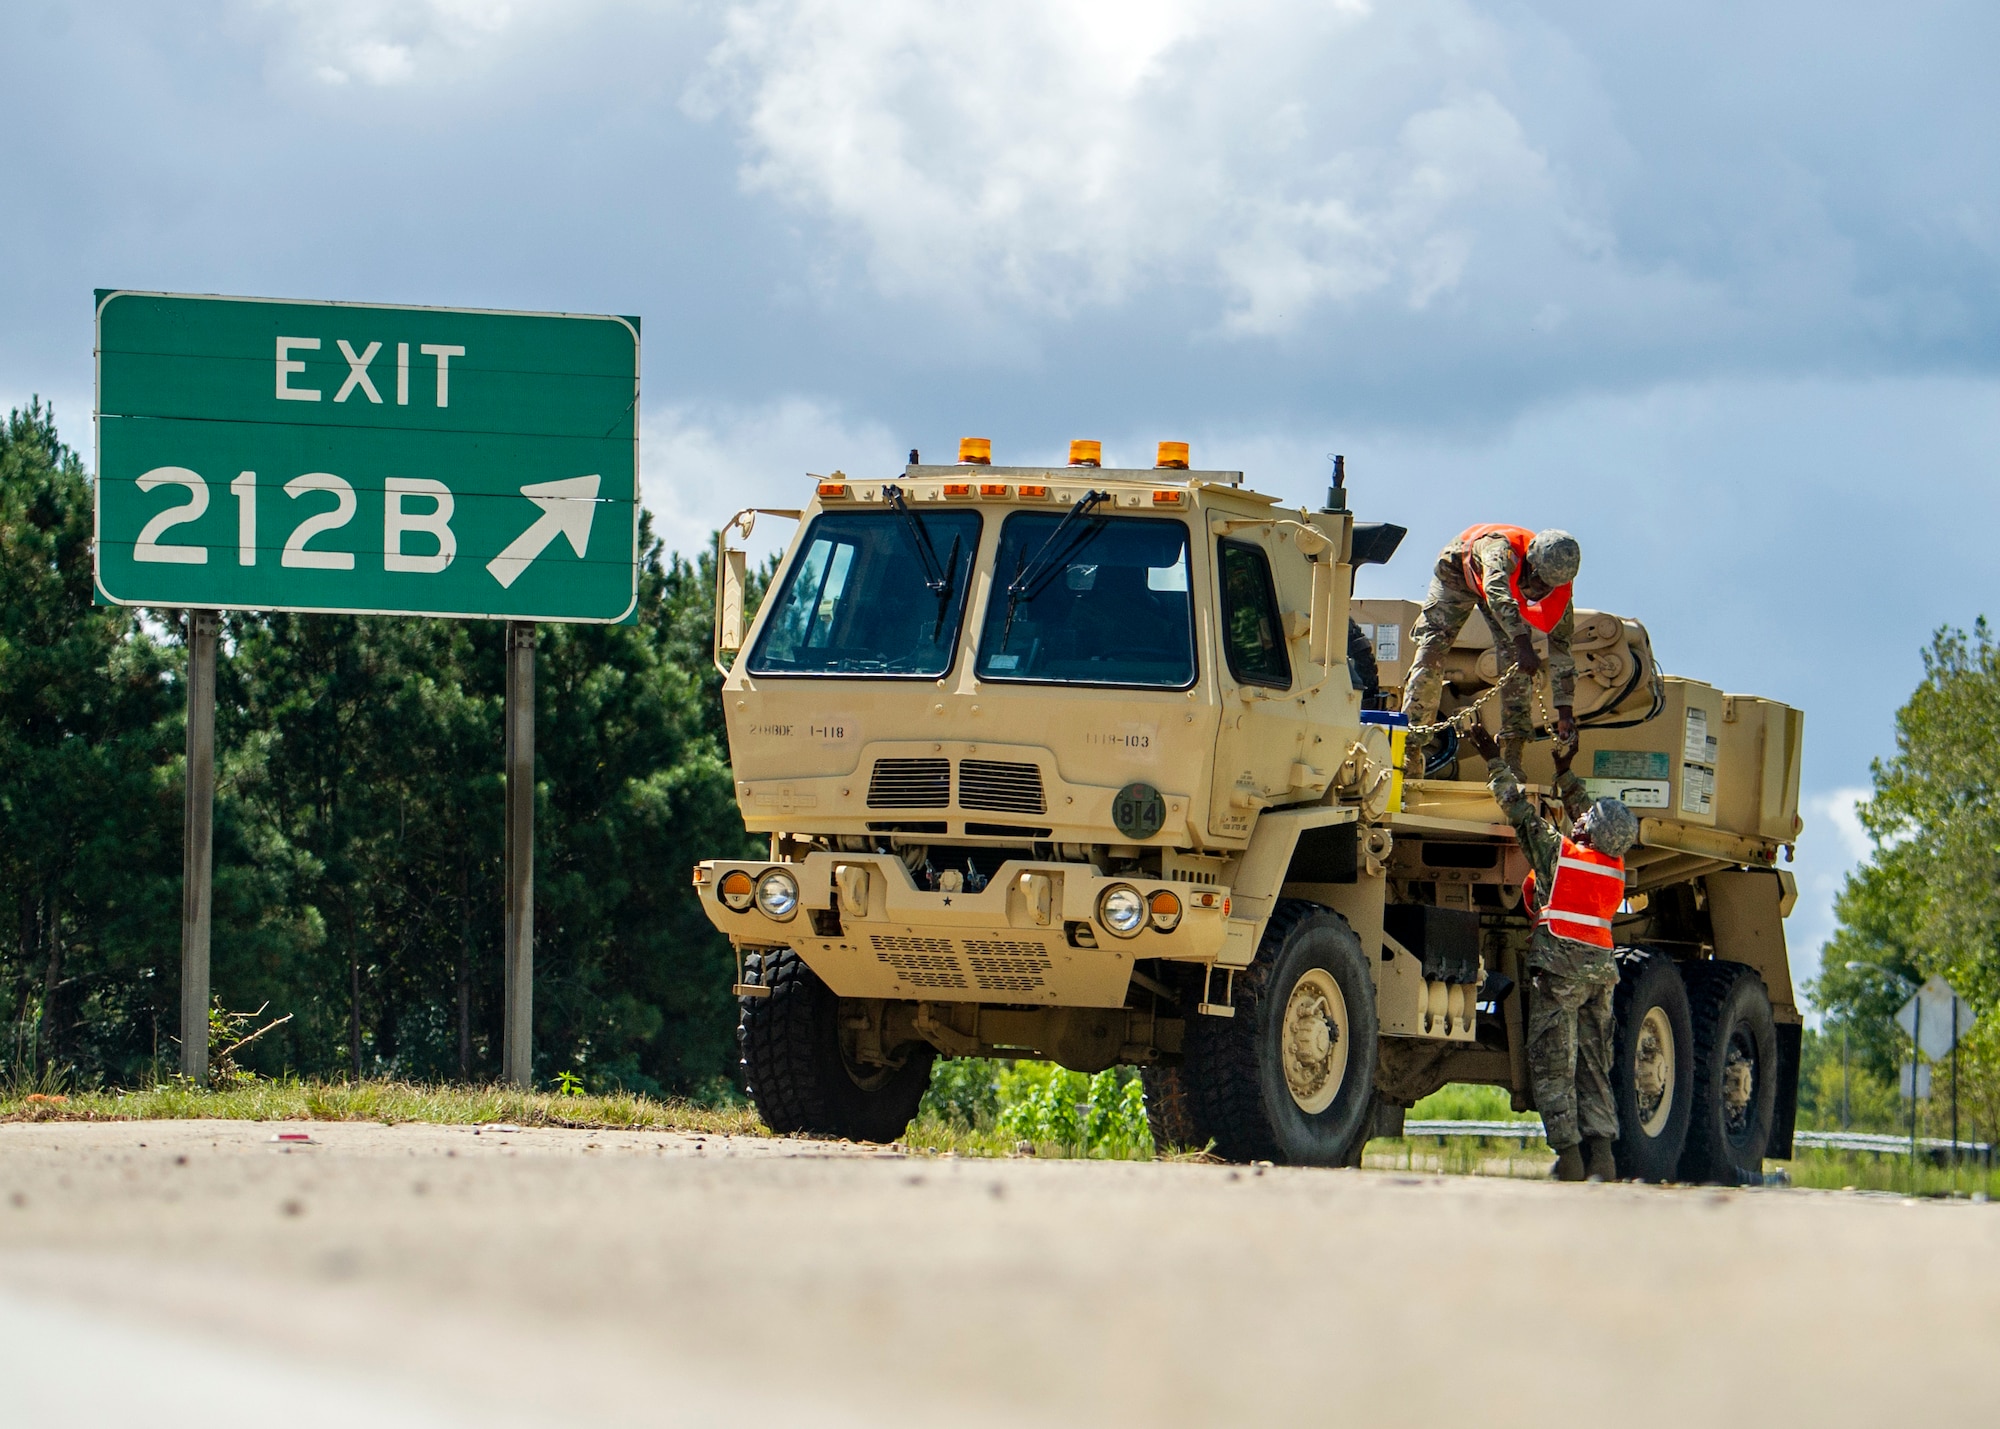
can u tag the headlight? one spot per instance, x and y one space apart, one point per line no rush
737 890
778 894
1165 909
1122 910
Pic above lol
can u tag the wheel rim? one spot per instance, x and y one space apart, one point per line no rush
1653 1071
1739 1085
1313 1041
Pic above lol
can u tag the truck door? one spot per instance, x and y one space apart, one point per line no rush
1264 728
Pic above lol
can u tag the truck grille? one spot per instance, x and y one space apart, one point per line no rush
920 962
1007 965
910 784
993 964
1009 788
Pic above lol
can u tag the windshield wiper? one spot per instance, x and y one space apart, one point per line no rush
937 578
1029 578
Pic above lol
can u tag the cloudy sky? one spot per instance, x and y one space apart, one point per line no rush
1715 286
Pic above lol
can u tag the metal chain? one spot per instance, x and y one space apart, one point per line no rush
1461 719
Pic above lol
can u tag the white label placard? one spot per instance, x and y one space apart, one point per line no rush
1632 793
1695 743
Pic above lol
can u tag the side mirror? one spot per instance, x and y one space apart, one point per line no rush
732 577
734 568
732 574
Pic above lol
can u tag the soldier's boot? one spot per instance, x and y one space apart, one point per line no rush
1416 758
1569 1164
1512 749
1597 1158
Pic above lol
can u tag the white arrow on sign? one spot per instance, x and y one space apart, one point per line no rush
567 507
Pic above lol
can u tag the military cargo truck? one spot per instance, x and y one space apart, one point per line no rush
1101 766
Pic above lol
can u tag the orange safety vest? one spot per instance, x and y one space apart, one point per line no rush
1587 890
1542 614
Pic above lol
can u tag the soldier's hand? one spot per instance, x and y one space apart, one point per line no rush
1566 728
1483 741
1525 657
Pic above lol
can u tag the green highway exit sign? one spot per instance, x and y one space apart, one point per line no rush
334 457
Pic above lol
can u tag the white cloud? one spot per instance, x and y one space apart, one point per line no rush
1053 155
1833 845
702 463
383 43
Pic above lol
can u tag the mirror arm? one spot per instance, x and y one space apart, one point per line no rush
732 581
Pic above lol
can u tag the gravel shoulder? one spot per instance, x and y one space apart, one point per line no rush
549 1276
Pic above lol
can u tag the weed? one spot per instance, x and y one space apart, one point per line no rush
289 1099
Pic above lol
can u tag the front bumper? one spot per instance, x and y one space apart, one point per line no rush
868 930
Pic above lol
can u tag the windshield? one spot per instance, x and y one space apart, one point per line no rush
872 593
1103 603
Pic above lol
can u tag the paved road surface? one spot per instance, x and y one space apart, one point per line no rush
195 1273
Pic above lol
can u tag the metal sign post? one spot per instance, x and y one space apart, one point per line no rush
517 1057
365 460
198 844
1916 1051
1936 1018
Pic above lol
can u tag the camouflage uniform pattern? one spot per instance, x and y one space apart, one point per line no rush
1450 604
1570 984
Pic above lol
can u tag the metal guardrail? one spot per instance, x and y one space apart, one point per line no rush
1523 1131
1934 1147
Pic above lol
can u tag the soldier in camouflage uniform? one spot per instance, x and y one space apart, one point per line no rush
1495 569
1570 983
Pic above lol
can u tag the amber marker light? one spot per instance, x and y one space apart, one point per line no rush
1082 453
1173 456
1169 497
994 488
737 890
1031 492
958 488
975 451
832 489
1165 911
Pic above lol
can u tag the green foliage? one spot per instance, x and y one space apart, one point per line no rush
964 1093
1468 1101
357 826
1859 1099
90 738
1102 1115
1928 899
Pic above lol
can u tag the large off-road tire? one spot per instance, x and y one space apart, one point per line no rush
1735 1075
794 1068
1170 1110
1291 1077
1652 1065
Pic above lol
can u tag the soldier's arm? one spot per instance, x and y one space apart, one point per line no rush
1538 841
1562 664
1496 570
1575 798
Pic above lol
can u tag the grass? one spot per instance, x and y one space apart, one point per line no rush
1861 1171
1469 1101
390 1102
377 1101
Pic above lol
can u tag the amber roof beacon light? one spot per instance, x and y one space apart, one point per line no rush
975 451
1083 453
